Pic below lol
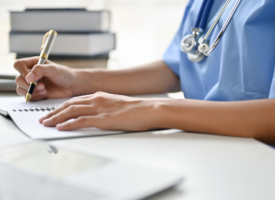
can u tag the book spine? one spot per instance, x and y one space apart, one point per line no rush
66 45
60 20
7 87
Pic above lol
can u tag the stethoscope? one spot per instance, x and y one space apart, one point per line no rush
195 45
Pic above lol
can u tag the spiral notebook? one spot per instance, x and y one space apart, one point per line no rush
26 115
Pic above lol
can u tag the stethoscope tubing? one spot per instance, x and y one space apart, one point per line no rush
215 22
200 14
218 38
205 14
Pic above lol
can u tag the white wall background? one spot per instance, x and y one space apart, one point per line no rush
144 27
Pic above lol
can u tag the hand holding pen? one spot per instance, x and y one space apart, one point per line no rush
45 51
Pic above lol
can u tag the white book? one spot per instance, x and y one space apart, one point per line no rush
7 81
26 116
8 75
7 85
78 20
74 44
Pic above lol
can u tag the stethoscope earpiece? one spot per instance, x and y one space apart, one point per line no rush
204 48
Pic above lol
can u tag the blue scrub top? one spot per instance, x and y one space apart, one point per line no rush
242 65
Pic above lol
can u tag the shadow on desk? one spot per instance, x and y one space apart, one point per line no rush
173 192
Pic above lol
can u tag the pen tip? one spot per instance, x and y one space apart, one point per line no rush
28 96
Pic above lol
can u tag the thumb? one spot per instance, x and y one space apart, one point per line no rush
39 71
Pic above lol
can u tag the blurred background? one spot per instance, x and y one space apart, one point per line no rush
144 28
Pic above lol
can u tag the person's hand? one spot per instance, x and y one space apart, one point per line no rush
104 111
55 81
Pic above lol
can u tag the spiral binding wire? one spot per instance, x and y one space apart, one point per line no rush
36 109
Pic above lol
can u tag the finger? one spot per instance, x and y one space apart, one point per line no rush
40 87
30 61
21 68
80 122
21 82
38 95
35 96
69 113
21 91
43 94
23 65
63 107
39 71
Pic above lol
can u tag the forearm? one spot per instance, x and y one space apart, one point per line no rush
155 77
255 118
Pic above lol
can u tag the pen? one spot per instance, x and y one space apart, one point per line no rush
47 43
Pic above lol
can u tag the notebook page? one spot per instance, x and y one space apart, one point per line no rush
20 103
10 103
29 124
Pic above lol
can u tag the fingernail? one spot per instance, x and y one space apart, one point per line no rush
46 122
41 119
42 93
30 76
40 87
59 126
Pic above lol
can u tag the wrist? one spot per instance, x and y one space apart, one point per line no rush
160 114
86 81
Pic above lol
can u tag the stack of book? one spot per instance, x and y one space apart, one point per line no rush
7 82
84 39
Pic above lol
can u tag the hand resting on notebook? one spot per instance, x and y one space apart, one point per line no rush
104 111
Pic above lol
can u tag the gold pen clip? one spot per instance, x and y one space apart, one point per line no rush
49 33
44 39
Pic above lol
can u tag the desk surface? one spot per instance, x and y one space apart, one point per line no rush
214 167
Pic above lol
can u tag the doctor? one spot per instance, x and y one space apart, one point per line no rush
230 92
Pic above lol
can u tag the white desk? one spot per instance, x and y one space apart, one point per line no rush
214 167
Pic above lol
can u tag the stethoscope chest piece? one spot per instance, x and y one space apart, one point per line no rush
196 57
188 43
